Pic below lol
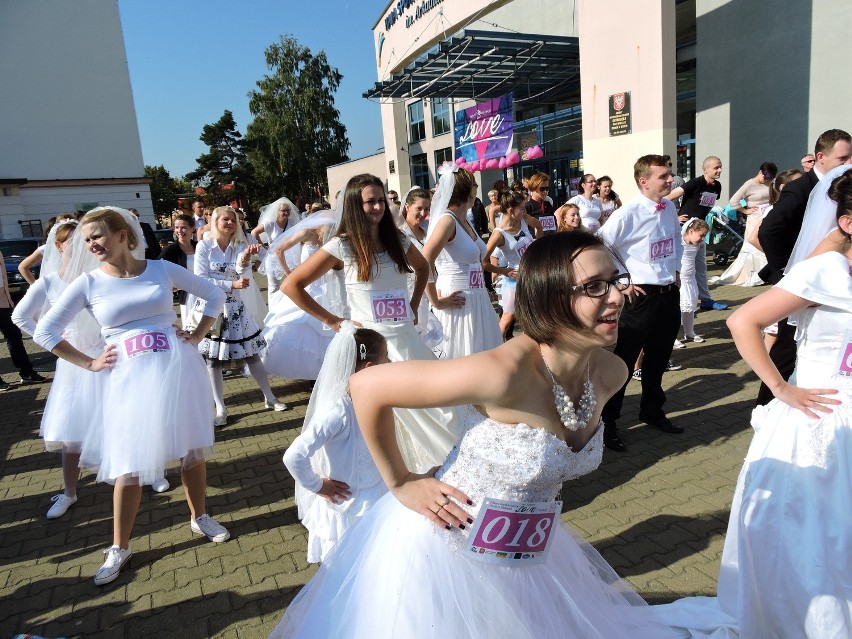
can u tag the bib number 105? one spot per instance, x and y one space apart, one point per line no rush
513 533
148 342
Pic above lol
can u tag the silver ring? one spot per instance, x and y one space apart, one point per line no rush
445 502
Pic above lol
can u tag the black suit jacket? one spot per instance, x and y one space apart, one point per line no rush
779 230
174 253
152 246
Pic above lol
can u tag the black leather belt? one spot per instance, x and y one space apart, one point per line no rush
656 288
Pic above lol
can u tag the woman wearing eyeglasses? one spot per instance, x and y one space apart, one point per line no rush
589 205
425 556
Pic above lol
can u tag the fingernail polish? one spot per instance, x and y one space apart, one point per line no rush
469 502
447 527
469 520
461 526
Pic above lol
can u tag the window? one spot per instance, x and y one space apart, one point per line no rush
440 116
420 171
31 228
416 123
443 155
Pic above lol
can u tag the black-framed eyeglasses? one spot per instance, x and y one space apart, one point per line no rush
599 288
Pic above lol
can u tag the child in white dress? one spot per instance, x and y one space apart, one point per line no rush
692 235
330 458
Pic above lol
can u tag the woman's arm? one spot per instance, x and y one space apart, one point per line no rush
280 248
746 324
202 266
421 275
309 271
297 457
445 231
31 260
256 231
494 241
534 223
5 296
377 389
28 308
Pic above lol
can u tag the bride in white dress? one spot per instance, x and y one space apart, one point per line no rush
476 549
788 550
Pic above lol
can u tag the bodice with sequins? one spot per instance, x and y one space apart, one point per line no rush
514 461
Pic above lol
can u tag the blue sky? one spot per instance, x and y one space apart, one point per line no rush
189 61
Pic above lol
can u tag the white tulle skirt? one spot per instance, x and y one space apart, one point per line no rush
73 408
788 549
473 328
396 575
157 409
295 341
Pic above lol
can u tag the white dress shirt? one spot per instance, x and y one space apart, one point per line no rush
646 239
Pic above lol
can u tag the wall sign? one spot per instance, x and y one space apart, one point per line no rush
485 130
620 122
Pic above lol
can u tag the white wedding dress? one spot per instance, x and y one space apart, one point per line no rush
787 563
395 574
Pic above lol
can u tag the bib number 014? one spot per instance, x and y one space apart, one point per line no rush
513 533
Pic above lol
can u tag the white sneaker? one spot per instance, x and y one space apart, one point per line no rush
206 525
276 406
160 485
679 344
115 558
695 338
61 504
221 419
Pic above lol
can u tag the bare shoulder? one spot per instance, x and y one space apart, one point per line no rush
609 371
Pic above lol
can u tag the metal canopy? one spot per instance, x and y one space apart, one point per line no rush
486 64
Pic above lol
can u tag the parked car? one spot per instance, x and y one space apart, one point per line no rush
14 252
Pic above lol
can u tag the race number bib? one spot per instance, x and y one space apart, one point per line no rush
390 306
145 343
523 245
513 533
844 360
661 249
707 199
548 222
475 278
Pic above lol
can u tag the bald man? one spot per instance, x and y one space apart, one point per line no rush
699 196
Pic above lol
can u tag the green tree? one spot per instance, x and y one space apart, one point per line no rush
164 191
296 132
224 170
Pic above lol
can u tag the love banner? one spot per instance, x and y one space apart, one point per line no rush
485 130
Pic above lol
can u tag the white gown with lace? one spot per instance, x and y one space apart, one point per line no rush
395 574
787 563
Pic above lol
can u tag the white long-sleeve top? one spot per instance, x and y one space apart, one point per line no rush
125 302
222 268
46 290
348 458
648 240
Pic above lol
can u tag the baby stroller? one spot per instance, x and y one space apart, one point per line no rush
726 234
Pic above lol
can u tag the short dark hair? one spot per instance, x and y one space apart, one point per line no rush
770 168
543 300
828 139
643 165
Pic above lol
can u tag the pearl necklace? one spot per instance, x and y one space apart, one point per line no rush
571 419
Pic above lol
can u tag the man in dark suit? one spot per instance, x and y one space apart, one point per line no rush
778 234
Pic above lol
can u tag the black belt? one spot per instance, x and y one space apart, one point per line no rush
656 288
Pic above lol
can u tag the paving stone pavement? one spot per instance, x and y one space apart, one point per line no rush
657 513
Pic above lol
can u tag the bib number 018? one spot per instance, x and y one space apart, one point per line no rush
513 533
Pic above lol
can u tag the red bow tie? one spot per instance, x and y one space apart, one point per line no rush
660 206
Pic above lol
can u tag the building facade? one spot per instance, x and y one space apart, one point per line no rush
746 80
68 130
